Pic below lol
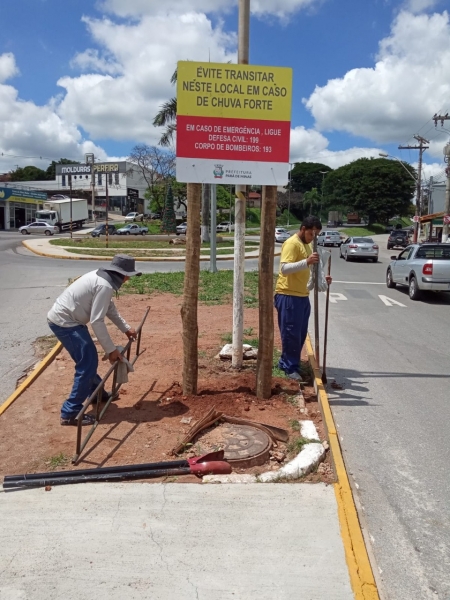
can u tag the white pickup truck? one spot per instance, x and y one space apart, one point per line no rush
225 226
421 267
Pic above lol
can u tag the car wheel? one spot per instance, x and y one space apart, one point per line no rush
24 232
128 233
375 260
47 232
390 283
389 247
414 292
144 233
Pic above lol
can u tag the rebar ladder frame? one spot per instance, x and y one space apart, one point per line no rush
80 445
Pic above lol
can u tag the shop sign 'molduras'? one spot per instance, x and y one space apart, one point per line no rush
233 123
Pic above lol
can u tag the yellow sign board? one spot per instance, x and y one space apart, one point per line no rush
234 91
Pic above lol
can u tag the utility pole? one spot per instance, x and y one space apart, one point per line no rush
443 118
90 160
421 147
239 217
107 206
70 188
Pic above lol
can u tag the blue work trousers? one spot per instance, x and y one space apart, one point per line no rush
293 317
79 344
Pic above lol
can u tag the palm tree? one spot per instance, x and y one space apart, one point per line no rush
167 117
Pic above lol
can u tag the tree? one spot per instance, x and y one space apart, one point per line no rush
167 117
313 200
51 169
305 176
376 188
157 167
29 173
169 224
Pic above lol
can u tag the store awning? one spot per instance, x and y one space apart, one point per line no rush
428 218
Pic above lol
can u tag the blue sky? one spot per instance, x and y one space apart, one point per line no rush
80 76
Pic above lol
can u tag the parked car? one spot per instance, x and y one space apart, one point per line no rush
282 234
38 228
421 267
133 216
132 229
181 229
155 215
398 237
359 247
329 238
101 230
225 226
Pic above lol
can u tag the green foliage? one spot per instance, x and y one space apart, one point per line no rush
169 224
223 199
307 175
374 229
253 217
296 445
377 189
29 173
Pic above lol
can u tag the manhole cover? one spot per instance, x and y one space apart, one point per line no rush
244 446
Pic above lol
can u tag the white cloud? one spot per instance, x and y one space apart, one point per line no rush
417 6
91 59
123 107
409 83
8 67
28 130
278 8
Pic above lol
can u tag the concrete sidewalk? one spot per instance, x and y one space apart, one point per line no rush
173 541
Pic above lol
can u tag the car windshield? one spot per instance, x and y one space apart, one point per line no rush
398 232
363 240
332 233
434 252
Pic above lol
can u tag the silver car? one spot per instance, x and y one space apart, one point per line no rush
421 267
359 247
281 234
329 238
39 227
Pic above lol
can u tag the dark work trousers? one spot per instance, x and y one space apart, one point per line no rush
293 317
79 344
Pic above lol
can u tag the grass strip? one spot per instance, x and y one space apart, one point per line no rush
214 288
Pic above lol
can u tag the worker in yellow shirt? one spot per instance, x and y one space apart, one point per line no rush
292 295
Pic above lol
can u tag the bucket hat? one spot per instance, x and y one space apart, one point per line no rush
123 264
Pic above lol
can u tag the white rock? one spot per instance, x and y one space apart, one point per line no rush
227 350
308 430
305 462
232 478
253 353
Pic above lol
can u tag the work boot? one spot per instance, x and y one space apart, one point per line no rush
87 420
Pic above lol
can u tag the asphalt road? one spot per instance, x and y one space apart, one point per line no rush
389 353
391 357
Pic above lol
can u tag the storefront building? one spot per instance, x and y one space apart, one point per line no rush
18 206
126 185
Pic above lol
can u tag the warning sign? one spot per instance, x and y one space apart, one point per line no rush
230 118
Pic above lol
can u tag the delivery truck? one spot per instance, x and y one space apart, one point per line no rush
57 212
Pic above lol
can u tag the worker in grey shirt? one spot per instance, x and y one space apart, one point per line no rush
89 300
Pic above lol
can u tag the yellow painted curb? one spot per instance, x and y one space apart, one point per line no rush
40 368
137 259
360 570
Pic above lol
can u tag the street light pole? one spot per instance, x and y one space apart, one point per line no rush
289 194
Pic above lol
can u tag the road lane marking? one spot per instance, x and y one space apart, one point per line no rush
390 301
361 282
335 297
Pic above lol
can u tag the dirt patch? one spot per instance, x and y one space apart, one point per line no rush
152 415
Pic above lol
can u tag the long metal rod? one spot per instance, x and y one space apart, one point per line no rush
133 474
316 305
99 471
325 337
98 392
